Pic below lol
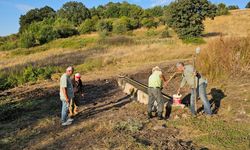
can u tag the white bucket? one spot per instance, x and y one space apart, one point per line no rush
177 98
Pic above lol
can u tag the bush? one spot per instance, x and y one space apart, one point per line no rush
46 34
27 39
29 74
194 40
149 23
8 45
87 26
121 26
151 32
105 26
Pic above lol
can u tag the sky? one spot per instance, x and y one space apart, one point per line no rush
11 10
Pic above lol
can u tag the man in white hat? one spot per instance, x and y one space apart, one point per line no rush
66 95
155 84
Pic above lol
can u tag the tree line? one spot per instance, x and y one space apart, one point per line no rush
41 25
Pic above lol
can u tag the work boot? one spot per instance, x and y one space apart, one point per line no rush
159 116
150 115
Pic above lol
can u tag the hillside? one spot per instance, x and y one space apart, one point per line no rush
30 113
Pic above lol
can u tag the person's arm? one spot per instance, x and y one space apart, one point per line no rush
65 94
64 88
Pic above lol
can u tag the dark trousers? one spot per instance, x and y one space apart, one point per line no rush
154 94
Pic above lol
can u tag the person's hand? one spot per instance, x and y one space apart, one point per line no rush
67 100
82 95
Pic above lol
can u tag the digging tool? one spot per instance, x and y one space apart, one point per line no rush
197 51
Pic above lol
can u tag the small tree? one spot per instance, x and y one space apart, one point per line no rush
248 5
186 16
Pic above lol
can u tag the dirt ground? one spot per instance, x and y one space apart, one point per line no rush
108 119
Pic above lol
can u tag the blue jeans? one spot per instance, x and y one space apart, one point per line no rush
65 110
201 90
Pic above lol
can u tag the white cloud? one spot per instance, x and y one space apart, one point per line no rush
24 7
160 2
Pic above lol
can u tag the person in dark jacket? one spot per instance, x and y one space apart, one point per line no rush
78 94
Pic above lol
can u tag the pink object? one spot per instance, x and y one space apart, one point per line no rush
78 75
177 99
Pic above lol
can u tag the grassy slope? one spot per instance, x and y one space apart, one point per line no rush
224 131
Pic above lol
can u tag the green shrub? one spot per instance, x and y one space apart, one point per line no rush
87 26
29 74
149 23
105 26
151 32
8 45
121 26
27 39
194 40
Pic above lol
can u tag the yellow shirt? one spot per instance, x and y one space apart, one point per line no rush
154 79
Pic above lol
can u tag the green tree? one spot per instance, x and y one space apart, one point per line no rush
149 23
156 11
186 16
248 5
233 7
75 12
222 10
35 15
112 10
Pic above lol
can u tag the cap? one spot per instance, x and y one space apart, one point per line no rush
78 75
156 68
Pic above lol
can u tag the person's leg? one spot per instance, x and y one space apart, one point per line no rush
159 102
76 104
64 113
71 108
192 101
203 96
150 101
